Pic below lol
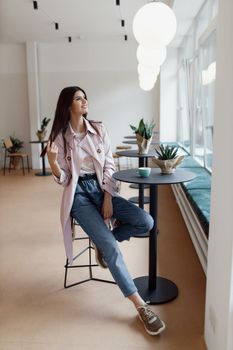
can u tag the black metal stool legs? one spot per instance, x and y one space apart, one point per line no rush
90 265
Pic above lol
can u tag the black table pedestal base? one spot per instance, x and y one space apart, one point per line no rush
135 200
143 235
136 186
165 290
43 174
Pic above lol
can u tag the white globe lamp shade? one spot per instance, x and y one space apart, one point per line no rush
147 78
146 85
147 70
151 57
154 25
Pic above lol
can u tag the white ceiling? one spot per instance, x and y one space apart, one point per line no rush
185 11
86 20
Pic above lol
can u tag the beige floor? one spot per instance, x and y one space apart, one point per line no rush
36 313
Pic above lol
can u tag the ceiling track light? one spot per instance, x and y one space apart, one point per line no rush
122 23
69 39
126 37
35 5
117 2
56 26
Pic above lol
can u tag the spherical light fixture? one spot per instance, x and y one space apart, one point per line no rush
154 25
149 80
146 70
146 85
151 57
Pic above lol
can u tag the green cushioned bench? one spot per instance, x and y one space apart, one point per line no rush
198 191
200 201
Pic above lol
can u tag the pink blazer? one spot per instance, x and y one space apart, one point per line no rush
100 150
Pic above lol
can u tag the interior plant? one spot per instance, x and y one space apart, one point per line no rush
167 158
17 145
42 131
144 133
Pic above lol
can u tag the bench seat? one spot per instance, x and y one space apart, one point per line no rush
198 191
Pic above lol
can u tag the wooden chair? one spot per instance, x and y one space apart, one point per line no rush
7 143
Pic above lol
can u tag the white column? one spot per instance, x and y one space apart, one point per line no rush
34 100
219 294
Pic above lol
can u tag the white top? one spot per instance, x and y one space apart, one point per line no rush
87 166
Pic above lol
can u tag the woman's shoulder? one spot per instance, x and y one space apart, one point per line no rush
97 124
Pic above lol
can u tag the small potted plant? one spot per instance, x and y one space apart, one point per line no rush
167 158
17 145
144 133
42 131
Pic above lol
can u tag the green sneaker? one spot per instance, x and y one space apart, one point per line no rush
99 257
152 323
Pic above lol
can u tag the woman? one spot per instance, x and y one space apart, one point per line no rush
81 160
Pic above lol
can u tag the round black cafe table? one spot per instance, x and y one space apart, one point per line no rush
152 288
134 142
44 172
134 136
142 162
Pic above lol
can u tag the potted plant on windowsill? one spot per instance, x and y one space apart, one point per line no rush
41 133
167 158
144 134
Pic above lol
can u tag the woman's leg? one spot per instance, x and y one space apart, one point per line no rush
86 210
88 216
135 221
151 322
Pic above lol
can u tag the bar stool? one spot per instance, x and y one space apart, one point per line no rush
89 265
117 161
125 148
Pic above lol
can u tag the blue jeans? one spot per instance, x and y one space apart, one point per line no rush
86 209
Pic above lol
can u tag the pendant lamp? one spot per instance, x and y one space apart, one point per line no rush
151 57
146 85
147 70
154 25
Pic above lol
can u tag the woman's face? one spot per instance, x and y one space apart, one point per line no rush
79 105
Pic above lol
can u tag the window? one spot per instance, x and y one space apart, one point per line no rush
207 94
183 124
196 86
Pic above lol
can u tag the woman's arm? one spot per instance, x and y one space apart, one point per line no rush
57 161
52 153
107 209
109 184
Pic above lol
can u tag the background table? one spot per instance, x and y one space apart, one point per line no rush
43 173
142 162
134 142
153 289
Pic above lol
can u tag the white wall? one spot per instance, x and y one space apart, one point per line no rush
14 116
168 96
107 71
219 294
108 74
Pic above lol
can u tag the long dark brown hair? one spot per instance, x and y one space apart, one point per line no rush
62 113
